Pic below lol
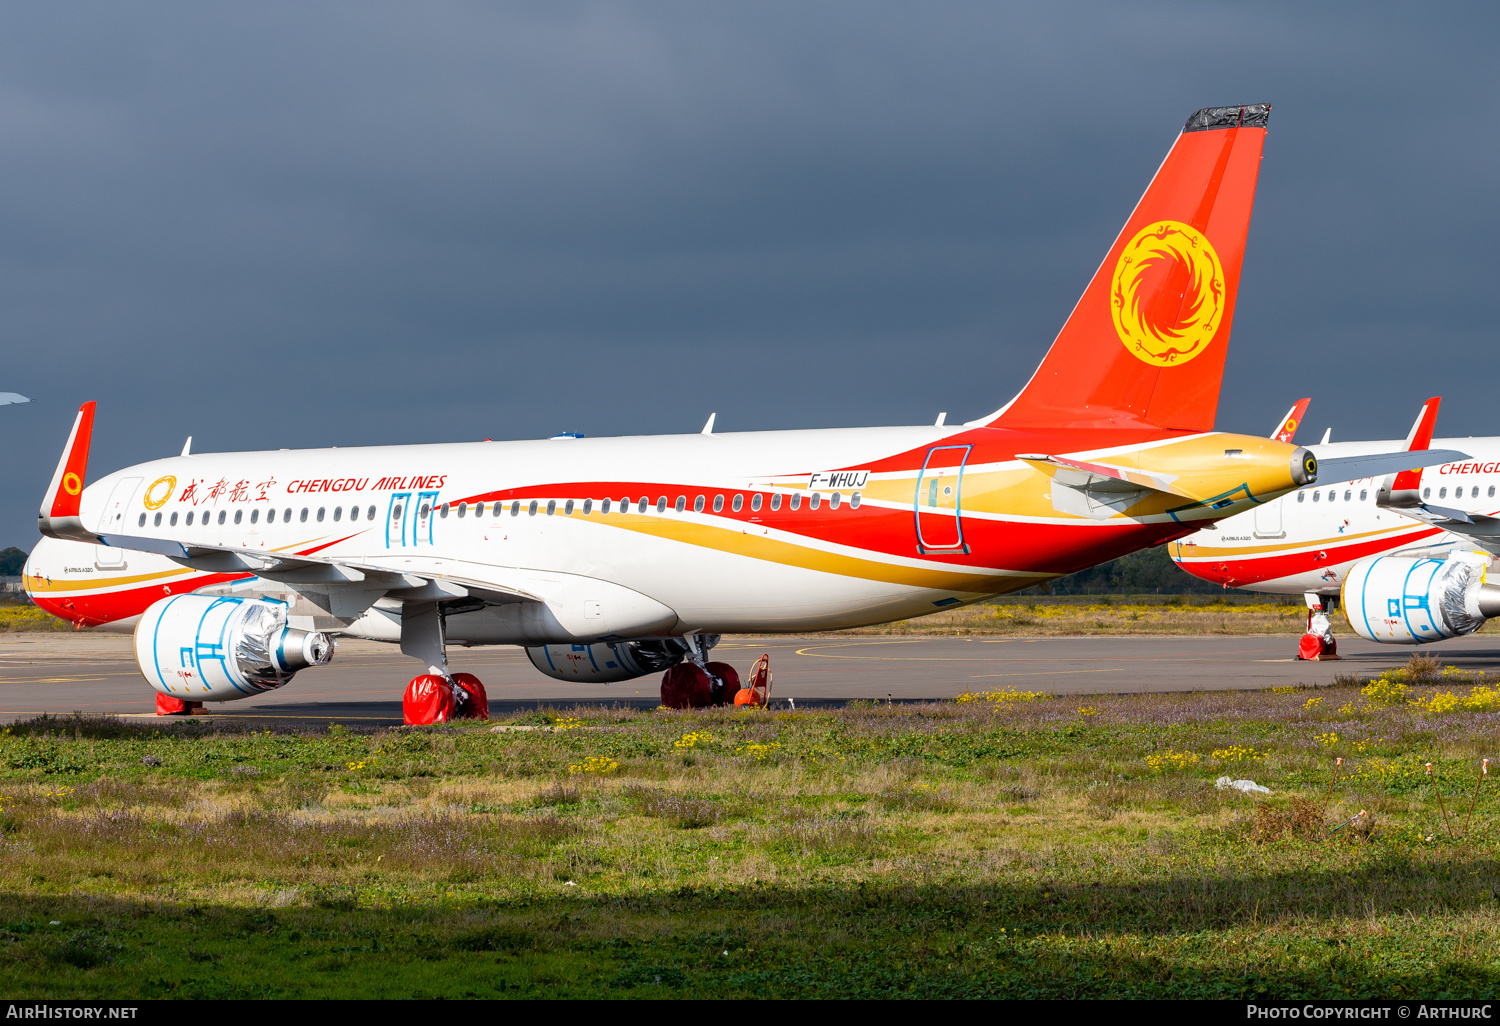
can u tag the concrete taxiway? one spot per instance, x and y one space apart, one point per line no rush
95 673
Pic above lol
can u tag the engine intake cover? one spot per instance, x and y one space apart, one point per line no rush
207 648
1403 600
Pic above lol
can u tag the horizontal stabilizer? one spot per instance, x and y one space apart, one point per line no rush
1103 474
1352 468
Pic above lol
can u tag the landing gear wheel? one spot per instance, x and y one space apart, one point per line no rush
728 684
428 699
166 705
686 686
476 704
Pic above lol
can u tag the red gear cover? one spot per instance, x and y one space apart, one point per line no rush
428 699
476 705
166 705
725 692
686 686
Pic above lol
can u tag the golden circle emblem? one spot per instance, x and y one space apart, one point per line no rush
165 486
1167 296
71 483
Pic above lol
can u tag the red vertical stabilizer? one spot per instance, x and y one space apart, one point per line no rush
1145 345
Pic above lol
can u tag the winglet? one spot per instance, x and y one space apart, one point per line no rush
1287 429
58 516
1420 438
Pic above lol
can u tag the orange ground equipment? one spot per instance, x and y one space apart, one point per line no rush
758 690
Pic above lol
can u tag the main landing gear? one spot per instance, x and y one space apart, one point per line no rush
697 683
436 696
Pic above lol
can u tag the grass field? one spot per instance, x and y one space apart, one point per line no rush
26 617
1008 845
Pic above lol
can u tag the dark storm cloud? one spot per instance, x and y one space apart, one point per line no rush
302 225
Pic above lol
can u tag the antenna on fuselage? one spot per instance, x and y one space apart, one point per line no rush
1326 436
187 447
708 428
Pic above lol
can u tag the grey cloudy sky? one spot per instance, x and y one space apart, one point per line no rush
273 225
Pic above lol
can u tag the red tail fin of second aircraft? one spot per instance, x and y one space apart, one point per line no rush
1145 345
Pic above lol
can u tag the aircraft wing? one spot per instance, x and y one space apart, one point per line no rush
1352 468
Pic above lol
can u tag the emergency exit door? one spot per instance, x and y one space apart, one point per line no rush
397 519
939 501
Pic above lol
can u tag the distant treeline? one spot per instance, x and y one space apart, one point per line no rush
11 562
1149 571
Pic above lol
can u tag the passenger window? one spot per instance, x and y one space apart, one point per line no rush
796 500
442 510
463 509
270 516
395 512
239 515
515 508
222 515
854 501
568 508
834 500
1364 494
640 507
286 515
1476 493
739 500
479 509
1301 496
531 509
156 521
142 521
1492 491
255 516
551 507
681 504
1442 493
1348 494
775 502
338 511
1426 493
588 506
698 504
321 511
1317 496
303 518
172 521
189 520
718 503
422 510
814 499
604 507
661 504
755 502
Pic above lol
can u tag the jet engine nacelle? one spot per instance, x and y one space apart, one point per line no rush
607 662
208 648
1403 600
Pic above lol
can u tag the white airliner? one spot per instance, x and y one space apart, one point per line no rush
1408 552
609 558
